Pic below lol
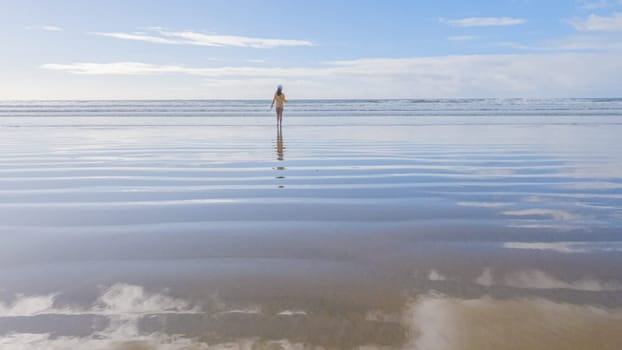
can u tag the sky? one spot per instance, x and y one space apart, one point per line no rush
242 49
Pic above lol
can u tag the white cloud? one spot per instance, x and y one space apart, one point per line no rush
597 40
529 75
461 38
46 28
51 28
138 37
160 36
514 45
595 4
582 42
483 21
595 23
230 40
138 68
572 43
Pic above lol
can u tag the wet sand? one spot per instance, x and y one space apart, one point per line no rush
393 232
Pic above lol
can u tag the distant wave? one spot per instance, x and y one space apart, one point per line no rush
320 108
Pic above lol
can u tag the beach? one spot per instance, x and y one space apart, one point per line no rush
371 224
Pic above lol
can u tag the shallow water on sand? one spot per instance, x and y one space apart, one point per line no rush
397 230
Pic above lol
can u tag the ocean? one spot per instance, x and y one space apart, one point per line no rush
375 224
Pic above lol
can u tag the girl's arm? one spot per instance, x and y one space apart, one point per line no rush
272 104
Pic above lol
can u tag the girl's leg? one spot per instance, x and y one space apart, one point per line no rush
279 116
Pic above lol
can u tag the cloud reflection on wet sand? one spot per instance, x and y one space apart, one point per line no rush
119 299
538 279
567 247
485 323
430 321
136 319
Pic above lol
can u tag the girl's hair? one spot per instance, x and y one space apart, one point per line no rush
279 90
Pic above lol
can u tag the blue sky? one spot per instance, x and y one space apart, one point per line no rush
72 49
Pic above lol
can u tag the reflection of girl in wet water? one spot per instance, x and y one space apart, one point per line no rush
280 149
279 99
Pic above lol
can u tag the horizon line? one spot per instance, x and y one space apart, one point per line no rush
318 99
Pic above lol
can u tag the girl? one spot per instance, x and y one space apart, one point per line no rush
279 98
